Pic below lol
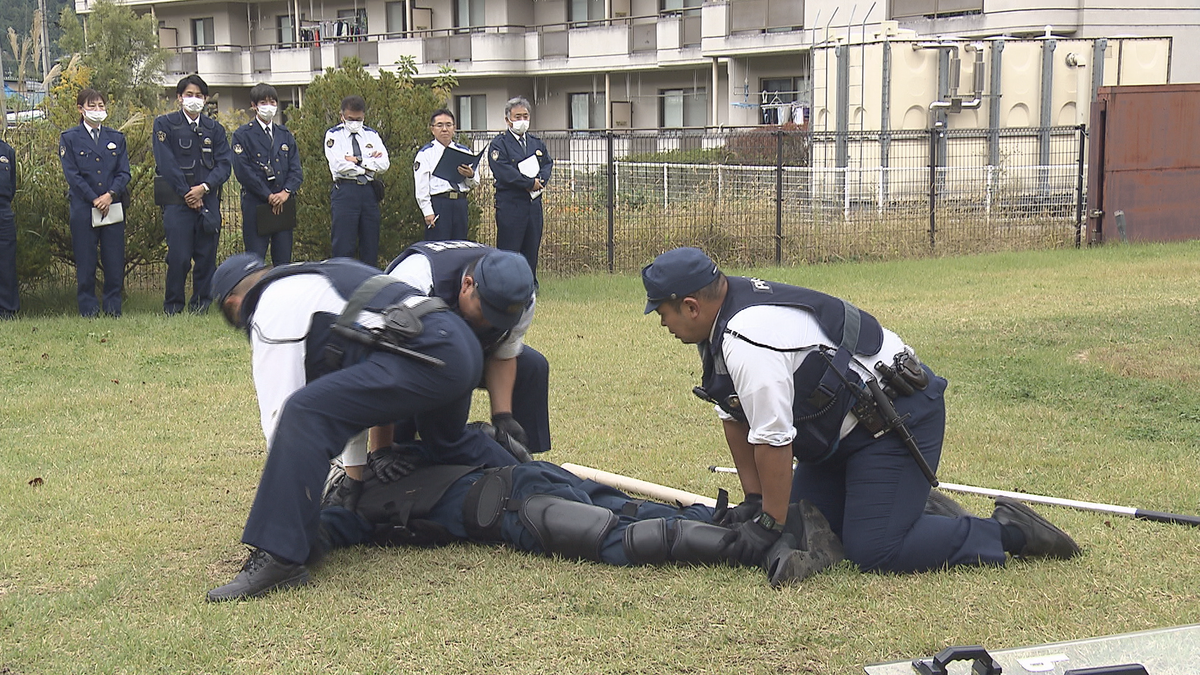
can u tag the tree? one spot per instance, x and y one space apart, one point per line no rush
121 51
399 110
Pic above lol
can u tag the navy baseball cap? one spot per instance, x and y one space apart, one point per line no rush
675 274
505 286
233 270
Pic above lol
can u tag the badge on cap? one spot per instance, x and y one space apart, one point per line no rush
162 137
112 146
329 143
283 147
237 148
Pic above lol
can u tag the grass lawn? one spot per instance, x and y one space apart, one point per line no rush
130 450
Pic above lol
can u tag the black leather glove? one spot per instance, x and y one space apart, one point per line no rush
505 423
392 463
746 511
747 543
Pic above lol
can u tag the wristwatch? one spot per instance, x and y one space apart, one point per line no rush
765 521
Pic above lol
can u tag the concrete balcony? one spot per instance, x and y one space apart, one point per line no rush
753 27
219 65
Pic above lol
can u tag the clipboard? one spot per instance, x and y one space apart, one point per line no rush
447 166
529 167
116 214
267 222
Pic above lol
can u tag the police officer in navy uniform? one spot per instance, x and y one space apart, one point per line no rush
516 376
267 164
9 300
96 166
799 374
326 368
356 154
193 162
442 202
519 186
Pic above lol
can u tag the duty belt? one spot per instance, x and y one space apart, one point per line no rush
451 194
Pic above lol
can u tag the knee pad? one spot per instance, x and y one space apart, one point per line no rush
647 542
485 505
570 529
657 540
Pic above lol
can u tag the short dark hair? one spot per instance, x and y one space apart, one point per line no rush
263 91
439 112
88 95
191 79
354 103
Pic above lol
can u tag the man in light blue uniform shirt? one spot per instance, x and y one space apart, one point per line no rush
356 154
443 203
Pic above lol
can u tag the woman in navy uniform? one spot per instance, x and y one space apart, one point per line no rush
96 166
267 164
518 196
9 300
193 161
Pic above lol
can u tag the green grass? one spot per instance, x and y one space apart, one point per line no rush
1073 373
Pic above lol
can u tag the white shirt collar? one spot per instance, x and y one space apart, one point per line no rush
264 125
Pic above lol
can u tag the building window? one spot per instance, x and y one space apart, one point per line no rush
678 5
911 9
286 29
469 13
586 112
471 111
582 11
782 101
351 22
202 32
397 17
682 108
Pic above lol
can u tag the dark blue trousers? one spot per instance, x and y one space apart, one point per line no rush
529 479
9 299
280 243
874 499
317 420
452 218
355 222
188 241
84 241
519 225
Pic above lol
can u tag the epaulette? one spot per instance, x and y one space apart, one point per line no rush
333 128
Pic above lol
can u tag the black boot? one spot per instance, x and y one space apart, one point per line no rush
261 574
807 546
1042 539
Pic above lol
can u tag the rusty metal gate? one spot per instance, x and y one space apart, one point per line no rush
1144 164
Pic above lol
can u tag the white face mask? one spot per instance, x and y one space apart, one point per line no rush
193 105
520 126
266 111
95 116
354 126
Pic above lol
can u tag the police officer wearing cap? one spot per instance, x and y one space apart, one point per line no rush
193 161
466 274
267 164
324 374
95 164
794 373
9 300
443 203
356 154
521 166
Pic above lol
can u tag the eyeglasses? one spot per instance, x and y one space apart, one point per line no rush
443 125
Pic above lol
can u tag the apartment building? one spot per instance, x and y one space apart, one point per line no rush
591 64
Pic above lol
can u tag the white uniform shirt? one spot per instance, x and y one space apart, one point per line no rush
763 378
426 184
416 272
338 145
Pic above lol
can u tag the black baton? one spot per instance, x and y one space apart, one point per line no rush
896 423
369 340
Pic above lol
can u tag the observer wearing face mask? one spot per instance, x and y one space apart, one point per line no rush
267 164
96 166
521 166
356 155
191 152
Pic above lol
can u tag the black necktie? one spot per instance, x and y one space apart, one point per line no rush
271 134
354 148
522 140
96 136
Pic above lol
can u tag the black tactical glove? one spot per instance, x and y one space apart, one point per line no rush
747 543
392 463
505 424
744 512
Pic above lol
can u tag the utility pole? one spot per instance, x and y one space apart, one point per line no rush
45 39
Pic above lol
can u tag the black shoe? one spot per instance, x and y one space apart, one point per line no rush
941 504
1042 539
807 546
261 574
341 490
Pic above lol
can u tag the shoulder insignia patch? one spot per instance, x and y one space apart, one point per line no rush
208 141
62 152
112 146
495 154
237 148
284 147
416 165
162 137
538 153
329 143
3 159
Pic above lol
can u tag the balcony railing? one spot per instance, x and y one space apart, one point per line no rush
760 16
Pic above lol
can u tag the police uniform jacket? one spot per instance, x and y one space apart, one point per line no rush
426 184
764 329
186 158
91 167
263 166
8 174
505 153
338 145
